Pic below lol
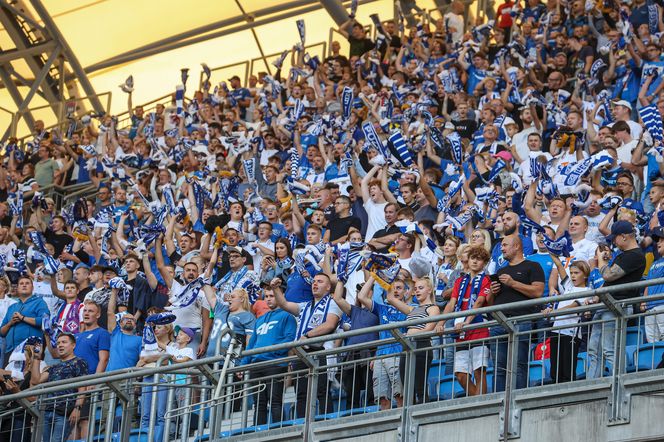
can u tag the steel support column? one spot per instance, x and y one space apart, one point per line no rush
336 11
81 76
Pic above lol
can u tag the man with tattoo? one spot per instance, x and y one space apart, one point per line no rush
627 266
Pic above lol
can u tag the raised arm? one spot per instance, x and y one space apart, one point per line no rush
161 265
338 297
287 306
364 185
364 295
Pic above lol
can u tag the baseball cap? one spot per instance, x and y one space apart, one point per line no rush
657 233
508 120
623 103
186 330
234 249
234 77
620 228
505 155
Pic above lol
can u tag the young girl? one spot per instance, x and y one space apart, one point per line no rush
425 308
564 343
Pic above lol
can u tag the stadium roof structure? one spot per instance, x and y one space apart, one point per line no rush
86 48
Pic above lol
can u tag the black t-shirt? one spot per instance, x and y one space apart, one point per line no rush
359 46
633 262
385 231
339 226
526 272
59 240
466 128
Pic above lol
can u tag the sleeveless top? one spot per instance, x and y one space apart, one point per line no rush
418 312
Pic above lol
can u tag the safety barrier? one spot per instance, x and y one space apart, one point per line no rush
200 398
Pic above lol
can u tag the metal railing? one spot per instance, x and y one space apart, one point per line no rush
331 384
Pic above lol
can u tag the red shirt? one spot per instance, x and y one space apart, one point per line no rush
485 288
504 18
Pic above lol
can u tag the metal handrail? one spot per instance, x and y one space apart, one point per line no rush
130 373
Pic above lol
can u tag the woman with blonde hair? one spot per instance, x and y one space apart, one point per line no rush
481 237
426 307
165 342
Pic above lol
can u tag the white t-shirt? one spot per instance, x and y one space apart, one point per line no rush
169 348
520 141
8 251
376 216
584 250
593 233
258 254
181 354
316 318
625 152
454 21
4 306
43 290
189 316
568 287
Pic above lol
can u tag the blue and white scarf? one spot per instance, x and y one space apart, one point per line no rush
312 315
474 294
559 247
189 294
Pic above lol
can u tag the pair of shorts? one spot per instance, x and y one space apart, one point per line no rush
386 379
469 361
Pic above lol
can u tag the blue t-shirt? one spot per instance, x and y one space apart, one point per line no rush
222 315
89 344
278 231
297 289
33 307
362 318
387 315
125 350
656 271
545 261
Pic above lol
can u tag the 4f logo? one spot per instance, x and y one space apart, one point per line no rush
263 329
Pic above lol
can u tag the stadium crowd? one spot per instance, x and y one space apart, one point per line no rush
436 168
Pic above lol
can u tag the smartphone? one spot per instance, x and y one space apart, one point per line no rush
494 278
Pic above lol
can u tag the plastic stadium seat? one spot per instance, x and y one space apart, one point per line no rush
635 336
539 372
630 353
435 374
581 365
351 412
136 435
649 356
448 388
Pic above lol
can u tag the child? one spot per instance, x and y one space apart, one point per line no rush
180 352
564 343
470 292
